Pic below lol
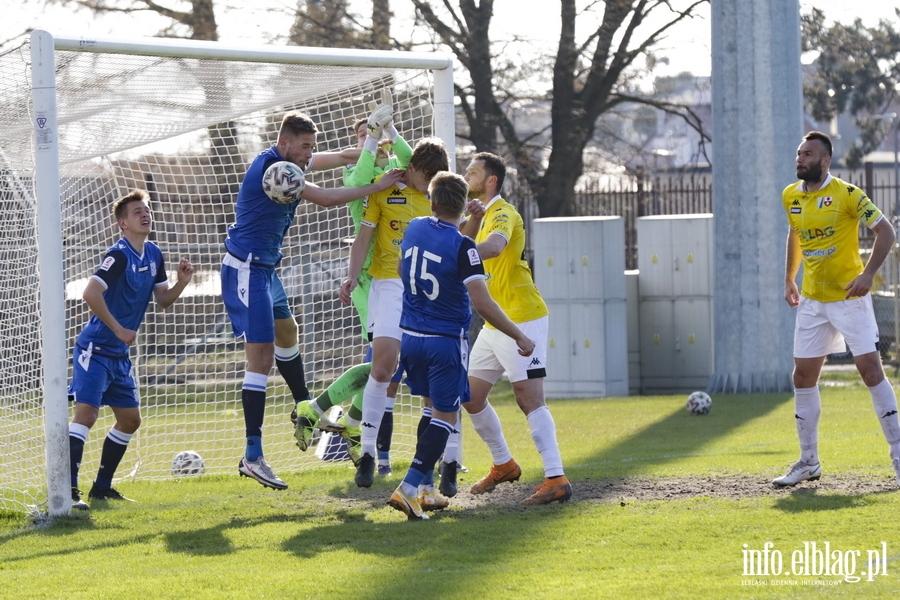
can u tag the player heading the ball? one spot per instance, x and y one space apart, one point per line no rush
251 289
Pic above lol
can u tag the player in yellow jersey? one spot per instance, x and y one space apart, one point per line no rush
374 160
501 242
835 306
385 216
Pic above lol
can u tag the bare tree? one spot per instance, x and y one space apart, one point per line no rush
588 79
858 71
329 23
198 23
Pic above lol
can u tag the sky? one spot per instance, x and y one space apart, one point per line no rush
687 46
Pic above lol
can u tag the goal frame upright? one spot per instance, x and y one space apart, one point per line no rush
48 194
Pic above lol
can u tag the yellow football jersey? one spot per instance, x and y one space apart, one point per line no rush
827 224
389 212
507 276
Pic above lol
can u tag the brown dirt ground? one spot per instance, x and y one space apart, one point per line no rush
507 496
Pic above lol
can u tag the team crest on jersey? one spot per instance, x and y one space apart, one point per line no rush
474 258
153 269
825 201
107 263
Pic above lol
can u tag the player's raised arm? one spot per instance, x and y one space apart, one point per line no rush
337 196
167 297
323 161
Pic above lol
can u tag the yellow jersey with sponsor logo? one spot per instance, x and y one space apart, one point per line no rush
507 276
827 224
389 212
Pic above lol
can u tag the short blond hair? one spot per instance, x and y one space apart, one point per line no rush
120 208
448 192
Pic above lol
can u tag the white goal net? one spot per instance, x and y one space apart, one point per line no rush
183 126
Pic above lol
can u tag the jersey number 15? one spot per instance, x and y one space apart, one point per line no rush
424 275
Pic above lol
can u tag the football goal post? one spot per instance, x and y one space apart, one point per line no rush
85 121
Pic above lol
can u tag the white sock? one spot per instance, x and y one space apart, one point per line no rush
451 450
807 409
487 425
543 432
374 400
885 402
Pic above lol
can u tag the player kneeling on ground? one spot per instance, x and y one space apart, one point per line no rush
440 269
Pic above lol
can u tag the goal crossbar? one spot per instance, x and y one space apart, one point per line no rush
46 129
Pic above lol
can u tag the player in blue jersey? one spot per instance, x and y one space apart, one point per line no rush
132 272
440 269
251 290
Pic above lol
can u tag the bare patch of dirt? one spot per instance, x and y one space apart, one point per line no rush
733 487
625 490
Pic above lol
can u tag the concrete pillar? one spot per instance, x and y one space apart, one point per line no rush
757 125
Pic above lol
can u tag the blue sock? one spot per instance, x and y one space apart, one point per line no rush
254 448
253 401
428 450
77 438
114 447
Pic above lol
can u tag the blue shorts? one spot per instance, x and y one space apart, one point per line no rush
254 297
437 368
102 380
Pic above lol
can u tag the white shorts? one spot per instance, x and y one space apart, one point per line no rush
385 307
823 327
495 352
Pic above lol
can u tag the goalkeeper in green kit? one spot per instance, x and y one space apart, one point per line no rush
376 158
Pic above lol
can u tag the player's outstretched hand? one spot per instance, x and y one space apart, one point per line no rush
346 289
526 346
381 116
390 178
185 270
475 208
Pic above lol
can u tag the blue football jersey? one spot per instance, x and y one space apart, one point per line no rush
129 278
437 262
260 223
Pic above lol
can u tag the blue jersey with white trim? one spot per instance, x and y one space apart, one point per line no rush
129 278
260 223
437 262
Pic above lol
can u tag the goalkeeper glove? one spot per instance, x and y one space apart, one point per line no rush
381 115
378 119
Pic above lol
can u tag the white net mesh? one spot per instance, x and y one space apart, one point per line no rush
185 130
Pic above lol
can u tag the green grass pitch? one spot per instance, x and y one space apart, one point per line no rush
665 505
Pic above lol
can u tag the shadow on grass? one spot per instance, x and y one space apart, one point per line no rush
810 500
679 435
212 541
666 440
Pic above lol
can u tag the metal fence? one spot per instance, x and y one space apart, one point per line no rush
691 193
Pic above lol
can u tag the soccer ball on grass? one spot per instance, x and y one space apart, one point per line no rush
187 463
699 403
283 182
